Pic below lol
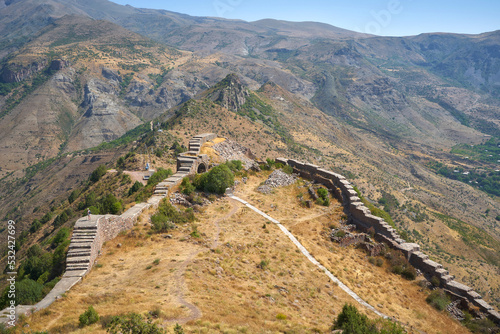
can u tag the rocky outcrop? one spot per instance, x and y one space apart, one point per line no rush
105 117
110 74
231 150
58 64
12 72
230 93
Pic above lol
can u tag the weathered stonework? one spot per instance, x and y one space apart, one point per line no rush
361 216
89 235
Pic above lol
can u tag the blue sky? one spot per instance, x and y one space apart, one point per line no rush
380 17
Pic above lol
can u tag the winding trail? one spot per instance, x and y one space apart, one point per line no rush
311 258
179 281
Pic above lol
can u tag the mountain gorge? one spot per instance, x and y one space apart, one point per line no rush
407 119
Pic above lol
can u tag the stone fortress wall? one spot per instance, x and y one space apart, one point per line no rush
361 216
90 235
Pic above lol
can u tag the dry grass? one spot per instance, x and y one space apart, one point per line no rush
244 280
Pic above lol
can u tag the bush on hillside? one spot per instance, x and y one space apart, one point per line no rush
88 317
61 235
135 188
438 299
28 292
133 323
168 215
324 196
353 322
98 174
186 187
217 180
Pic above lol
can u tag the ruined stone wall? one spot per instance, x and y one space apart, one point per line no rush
361 216
89 235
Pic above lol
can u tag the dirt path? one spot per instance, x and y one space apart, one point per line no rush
179 283
311 258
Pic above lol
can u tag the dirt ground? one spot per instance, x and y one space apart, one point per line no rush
243 275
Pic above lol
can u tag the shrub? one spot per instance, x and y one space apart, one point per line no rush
110 204
59 258
28 292
288 169
35 266
280 316
234 165
73 196
158 176
340 234
263 264
61 219
409 273
353 322
438 299
61 235
186 187
435 281
134 323
35 226
135 187
168 215
379 262
217 180
178 329
98 174
88 317
46 218
400 265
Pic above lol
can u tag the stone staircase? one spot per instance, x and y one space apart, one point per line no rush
79 253
89 235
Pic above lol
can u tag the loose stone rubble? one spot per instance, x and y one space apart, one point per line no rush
230 150
278 178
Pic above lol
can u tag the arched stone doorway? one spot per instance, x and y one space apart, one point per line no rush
202 168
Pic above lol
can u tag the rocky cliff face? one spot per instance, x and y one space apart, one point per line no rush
229 93
12 72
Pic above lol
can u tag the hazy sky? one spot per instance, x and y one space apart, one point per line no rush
381 17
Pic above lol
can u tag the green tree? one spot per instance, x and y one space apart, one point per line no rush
323 194
61 235
217 180
73 196
88 317
28 292
353 322
59 258
135 187
98 173
35 226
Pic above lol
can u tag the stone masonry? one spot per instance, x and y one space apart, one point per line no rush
89 235
361 216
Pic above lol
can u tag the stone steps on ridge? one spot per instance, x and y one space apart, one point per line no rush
78 259
76 268
87 239
78 253
86 245
85 228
